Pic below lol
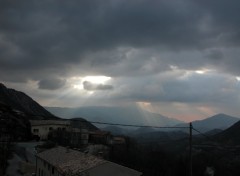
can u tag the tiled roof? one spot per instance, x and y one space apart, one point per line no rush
74 162
112 169
49 122
69 160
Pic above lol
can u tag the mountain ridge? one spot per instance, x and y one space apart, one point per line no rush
122 115
230 135
20 101
219 121
17 109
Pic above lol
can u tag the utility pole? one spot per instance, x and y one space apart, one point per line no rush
190 149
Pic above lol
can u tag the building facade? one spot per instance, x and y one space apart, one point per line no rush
79 137
42 128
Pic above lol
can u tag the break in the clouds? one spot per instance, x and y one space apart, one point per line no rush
147 47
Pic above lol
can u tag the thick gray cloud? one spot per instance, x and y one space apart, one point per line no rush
36 35
135 42
93 86
51 84
180 87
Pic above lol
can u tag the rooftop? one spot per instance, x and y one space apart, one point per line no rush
68 160
49 122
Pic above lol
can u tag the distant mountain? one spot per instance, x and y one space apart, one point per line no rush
219 121
122 115
20 101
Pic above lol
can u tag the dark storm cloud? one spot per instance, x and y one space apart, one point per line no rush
186 87
51 84
36 36
93 86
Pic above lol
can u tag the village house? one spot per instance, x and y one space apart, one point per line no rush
78 137
41 128
60 161
100 137
118 140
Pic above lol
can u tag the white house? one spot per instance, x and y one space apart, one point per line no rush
42 128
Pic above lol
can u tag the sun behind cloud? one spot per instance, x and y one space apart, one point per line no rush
96 79
99 79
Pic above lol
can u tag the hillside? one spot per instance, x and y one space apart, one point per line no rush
20 101
160 136
83 124
123 115
17 108
14 125
231 135
116 130
219 121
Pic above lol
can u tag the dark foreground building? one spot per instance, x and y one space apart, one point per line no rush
60 161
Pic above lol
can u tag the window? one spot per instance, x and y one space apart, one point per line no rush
50 128
63 129
35 130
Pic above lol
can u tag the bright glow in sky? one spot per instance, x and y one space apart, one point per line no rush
78 81
200 71
97 79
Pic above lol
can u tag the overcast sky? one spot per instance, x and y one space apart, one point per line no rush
179 58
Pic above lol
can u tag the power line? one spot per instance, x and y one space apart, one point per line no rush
206 136
217 146
162 127
128 125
